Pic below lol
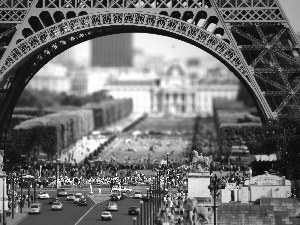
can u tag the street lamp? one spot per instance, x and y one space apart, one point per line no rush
134 220
141 216
138 215
166 172
3 202
13 195
57 170
147 210
167 160
215 186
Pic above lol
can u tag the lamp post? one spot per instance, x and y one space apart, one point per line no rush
151 205
3 202
57 170
138 215
147 208
34 188
167 160
215 186
167 168
21 181
13 195
145 214
141 215
134 220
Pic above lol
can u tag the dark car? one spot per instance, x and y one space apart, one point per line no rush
133 210
52 199
62 192
82 201
115 197
123 196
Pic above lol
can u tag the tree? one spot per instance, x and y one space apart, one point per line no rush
282 136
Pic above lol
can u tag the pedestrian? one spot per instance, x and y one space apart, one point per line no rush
99 189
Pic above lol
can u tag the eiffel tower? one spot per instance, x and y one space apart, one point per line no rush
253 38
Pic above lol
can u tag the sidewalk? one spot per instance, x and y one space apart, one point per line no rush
18 217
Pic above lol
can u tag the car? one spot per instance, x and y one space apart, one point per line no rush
106 215
137 194
115 197
77 197
82 201
123 196
121 189
70 196
62 192
35 208
43 195
52 200
111 206
133 210
57 206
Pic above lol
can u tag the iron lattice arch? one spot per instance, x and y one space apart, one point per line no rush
251 37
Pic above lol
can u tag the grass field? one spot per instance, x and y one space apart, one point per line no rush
175 145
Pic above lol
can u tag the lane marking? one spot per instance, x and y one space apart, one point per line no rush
85 214
92 198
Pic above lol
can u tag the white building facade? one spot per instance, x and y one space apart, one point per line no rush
51 77
179 90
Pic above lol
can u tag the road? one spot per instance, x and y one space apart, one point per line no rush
72 214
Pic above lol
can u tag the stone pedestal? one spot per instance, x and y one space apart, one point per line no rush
198 183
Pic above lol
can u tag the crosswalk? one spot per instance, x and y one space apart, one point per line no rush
98 198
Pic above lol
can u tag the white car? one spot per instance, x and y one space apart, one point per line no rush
57 206
70 196
112 206
137 194
120 189
77 197
43 195
106 215
35 208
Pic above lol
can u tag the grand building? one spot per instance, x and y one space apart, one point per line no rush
113 51
51 77
179 90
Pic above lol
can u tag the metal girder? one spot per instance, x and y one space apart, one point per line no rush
252 37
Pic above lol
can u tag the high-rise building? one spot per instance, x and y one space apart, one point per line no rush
113 51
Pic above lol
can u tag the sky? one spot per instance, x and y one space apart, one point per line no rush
171 48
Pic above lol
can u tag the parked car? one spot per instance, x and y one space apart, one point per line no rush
77 197
137 194
57 206
70 196
35 208
82 201
133 210
43 195
62 192
52 200
111 206
106 215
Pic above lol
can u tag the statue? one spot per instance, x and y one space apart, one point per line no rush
201 163
193 211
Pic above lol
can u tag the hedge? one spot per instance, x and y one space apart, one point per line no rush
53 132
239 134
